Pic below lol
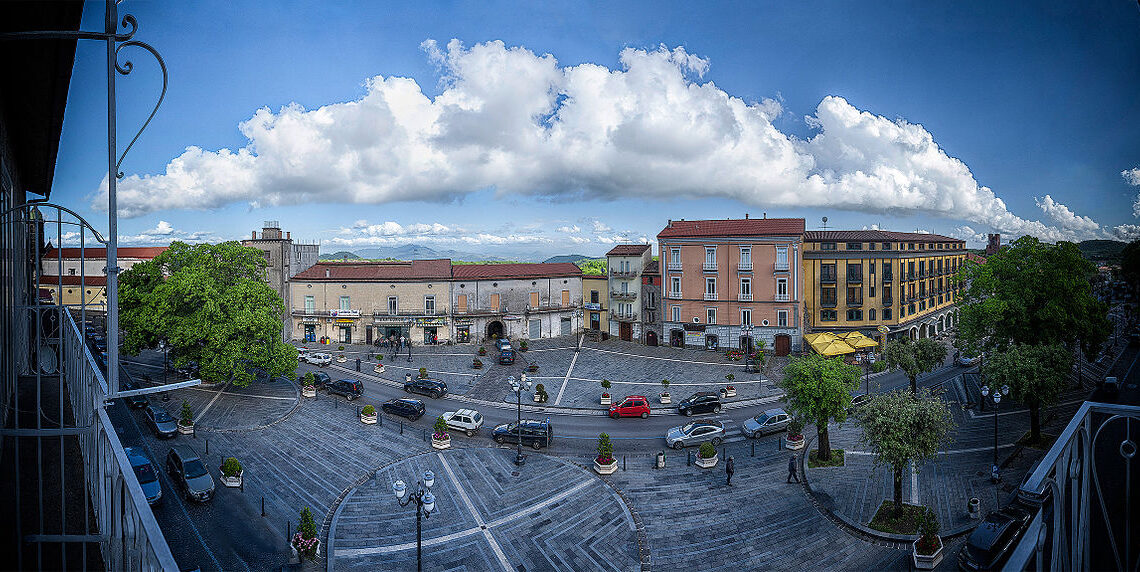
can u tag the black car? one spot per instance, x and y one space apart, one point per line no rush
994 539
699 402
427 386
507 357
322 378
134 401
411 408
164 426
537 434
350 388
190 473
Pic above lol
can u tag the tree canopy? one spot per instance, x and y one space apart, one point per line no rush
1035 374
210 304
900 427
914 358
818 390
1130 265
1031 293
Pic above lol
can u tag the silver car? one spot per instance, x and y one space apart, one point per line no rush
317 359
695 432
770 421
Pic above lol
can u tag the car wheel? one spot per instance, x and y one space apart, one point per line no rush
537 445
439 395
499 439
470 433
688 412
716 409
614 415
716 441
644 415
678 445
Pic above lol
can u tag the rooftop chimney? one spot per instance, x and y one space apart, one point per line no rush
765 215
326 272
670 225
745 216
288 235
253 235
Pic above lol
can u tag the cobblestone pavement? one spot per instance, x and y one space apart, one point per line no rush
491 515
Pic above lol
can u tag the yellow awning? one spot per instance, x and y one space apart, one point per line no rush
859 341
833 348
819 337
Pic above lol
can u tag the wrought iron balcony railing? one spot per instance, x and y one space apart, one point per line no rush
710 267
744 266
619 295
710 296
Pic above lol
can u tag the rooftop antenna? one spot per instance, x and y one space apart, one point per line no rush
824 223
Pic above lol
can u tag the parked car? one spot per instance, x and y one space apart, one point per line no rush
160 421
770 421
427 386
700 402
507 357
502 344
190 473
695 432
537 434
991 543
411 408
857 401
134 401
321 378
967 361
145 473
468 421
349 388
631 406
317 359
1111 386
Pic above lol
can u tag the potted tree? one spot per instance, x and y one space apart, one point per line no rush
340 355
379 367
477 363
605 463
368 415
706 456
522 345
730 390
439 437
665 398
305 542
231 472
186 419
482 351
540 395
423 373
309 385
605 392
927 551
795 438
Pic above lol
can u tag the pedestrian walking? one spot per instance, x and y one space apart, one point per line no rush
729 468
792 469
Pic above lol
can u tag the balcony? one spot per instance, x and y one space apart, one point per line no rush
744 266
827 278
710 296
674 266
619 295
618 273
856 303
623 316
745 297
910 276
781 266
710 267
675 295
781 297
382 312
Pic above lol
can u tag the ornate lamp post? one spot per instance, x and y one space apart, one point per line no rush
518 387
425 505
995 472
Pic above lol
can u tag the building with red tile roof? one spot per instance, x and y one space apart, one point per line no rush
625 265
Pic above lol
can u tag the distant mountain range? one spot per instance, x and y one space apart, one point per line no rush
342 255
407 252
567 258
1102 250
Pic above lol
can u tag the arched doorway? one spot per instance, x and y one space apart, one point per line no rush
651 339
922 331
677 338
495 329
746 344
941 324
913 334
783 344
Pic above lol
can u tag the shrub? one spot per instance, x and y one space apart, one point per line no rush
879 367
665 384
540 388
532 368
440 428
605 449
309 380
482 351
605 384
928 532
368 410
187 415
423 372
340 348
707 450
730 377
795 428
379 357
231 467
306 538
522 345
476 363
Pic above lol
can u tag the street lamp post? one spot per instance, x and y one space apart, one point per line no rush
425 505
519 386
995 472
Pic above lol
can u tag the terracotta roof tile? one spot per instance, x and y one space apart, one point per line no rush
516 270
734 227
653 268
377 271
628 250
875 236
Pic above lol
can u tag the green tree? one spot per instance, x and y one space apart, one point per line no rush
818 390
211 305
1130 265
914 358
1035 374
1031 293
901 427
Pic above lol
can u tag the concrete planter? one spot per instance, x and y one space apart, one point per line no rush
537 398
379 368
666 399
368 419
606 469
606 400
295 556
309 391
728 392
973 507
927 561
444 443
793 443
341 359
707 463
185 429
234 481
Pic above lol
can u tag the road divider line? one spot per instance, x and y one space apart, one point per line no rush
664 358
566 379
211 403
474 513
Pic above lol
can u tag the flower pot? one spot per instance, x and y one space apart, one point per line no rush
606 400
297 553
728 392
927 561
665 398
185 429
707 463
368 419
379 368
234 481
607 468
294 557
444 443
309 391
794 443
341 359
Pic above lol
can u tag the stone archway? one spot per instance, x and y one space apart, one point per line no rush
913 333
495 328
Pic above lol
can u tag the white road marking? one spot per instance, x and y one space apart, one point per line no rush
566 379
665 358
478 519
210 404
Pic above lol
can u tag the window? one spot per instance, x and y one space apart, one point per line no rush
745 289
871 313
782 318
940 265
675 259
392 306
746 258
888 272
429 305
921 267
886 313
871 268
871 291
855 296
827 272
827 246
854 272
828 315
534 299
910 270
345 303
310 304
710 257
710 315
854 246
71 272
781 258
871 245
910 246
855 315
494 302
675 286
902 311
887 295
710 288
827 297
746 317
593 296
886 246
676 313
782 289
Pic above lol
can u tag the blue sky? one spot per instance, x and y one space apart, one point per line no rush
526 129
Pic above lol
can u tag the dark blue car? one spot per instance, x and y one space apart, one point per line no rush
146 474
507 357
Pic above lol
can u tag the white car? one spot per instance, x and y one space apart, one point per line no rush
467 420
317 359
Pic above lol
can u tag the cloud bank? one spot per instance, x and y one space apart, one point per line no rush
516 122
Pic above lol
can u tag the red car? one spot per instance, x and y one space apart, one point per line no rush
632 406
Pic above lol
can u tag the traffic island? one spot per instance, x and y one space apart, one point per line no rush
836 459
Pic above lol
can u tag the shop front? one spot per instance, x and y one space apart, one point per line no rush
432 328
309 325
463 331
344 330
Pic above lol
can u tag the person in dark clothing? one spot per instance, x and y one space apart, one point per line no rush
792 469
729 468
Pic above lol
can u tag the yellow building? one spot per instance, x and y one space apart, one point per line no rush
595 293
859 280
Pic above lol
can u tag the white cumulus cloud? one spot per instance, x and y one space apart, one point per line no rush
1065 217
1127 232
